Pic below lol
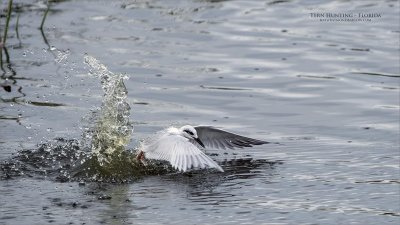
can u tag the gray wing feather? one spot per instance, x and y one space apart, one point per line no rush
216 138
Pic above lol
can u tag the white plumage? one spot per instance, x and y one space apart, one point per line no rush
181 147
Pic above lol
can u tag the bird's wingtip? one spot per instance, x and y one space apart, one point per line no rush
220 169
263 142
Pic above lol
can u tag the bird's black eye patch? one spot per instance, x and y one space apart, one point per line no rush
189 132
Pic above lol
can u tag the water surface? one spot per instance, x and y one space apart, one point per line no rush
327 92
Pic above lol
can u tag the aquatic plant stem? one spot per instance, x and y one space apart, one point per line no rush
7 55
1 60
44 16
17 27
4 39
10 2
42 24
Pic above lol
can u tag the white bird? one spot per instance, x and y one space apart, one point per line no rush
181 146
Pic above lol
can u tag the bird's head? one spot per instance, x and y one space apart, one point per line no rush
190 132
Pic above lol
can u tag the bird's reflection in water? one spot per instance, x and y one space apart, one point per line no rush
204 186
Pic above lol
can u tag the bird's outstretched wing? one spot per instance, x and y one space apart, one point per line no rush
180 153
220 139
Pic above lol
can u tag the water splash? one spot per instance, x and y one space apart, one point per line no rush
112 130
108 159
101 155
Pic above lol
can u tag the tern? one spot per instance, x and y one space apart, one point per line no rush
182 147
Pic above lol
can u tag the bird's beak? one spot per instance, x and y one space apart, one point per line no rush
200 143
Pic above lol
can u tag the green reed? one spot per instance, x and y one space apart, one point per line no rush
17 26
3 38
10 3
44 16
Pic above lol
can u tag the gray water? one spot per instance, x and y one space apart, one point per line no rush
324 93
